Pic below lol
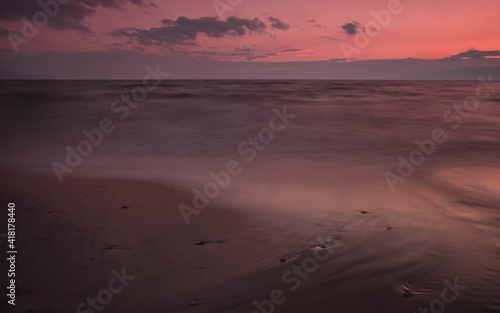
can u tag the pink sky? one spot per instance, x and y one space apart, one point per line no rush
427 29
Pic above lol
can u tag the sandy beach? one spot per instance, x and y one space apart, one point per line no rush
72 236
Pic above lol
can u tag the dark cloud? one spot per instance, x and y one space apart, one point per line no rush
472 54
110 65
251 58
246 52
185 30
69 16
340 60
311 21
278 24
244 49
291 50
352 28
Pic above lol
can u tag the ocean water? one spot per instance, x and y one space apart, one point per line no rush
184 129
329 161
338 124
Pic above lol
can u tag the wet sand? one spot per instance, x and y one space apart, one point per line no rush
369 258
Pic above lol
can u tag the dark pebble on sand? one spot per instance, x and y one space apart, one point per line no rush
194 302
389 228
364 212
283 260
124 207
201 243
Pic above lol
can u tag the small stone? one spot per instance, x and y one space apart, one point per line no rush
124 207
201 243
389 228
364 212
194 303
283 260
